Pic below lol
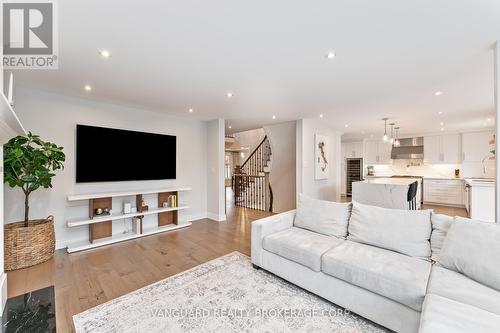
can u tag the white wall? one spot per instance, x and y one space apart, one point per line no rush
216 203
326 189
54 117
283 165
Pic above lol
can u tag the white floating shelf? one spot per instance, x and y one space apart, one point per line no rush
10 126
78 197
80 246
122 216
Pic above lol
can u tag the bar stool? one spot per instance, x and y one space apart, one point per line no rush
412 196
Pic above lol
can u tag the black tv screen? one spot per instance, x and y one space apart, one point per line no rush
107 155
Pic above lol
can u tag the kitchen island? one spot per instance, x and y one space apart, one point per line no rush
385 192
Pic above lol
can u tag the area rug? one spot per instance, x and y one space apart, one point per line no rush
224 295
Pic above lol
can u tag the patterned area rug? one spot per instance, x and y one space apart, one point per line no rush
224 295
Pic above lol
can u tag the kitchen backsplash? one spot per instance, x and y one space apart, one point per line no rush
407 168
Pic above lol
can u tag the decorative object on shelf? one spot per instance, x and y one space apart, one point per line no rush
385 137
172 201
133 210
144 207
137 225
321 157
127 207
457 173
29 163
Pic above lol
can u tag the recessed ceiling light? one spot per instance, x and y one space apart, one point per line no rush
274 117
229 94
440 112
438 93
230 127
441 124
321 115
489 119
330 55
88 88
191 110
105 54
442 129
346 125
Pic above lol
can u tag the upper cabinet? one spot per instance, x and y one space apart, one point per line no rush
352 149
476 146
442 149
377 152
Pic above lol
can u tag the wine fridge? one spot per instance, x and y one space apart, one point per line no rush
354 172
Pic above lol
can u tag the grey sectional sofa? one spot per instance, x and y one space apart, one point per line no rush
409 271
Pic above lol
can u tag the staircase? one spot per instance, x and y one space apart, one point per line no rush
251 184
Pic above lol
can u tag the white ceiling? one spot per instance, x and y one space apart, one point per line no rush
392 55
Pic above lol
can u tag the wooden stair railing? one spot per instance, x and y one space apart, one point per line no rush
251 184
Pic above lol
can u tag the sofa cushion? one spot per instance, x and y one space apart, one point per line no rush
324 217
299 245
458 287
473 248
443 315
404 231
440 226
387 273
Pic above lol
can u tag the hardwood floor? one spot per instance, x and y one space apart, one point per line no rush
85 279
452 211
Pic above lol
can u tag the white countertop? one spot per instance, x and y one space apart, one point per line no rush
390 181
424 177
484 182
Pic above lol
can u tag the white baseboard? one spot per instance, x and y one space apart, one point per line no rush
197 217
216 217
3 290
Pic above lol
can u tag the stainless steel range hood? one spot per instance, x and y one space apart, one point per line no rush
410 149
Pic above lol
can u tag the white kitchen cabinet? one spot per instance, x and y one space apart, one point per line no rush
352 149
444 191
432 149
477 157
377 152
476 145
442 149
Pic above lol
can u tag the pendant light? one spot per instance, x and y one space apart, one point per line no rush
397 143
385 137
392 132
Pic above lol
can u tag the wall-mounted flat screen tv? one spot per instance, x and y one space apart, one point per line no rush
109 155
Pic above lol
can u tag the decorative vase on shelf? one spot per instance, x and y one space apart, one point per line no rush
29 163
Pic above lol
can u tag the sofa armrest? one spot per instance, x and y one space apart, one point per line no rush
267 226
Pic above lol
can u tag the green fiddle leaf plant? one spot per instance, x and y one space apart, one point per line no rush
30 163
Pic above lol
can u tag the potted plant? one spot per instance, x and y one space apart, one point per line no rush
29 163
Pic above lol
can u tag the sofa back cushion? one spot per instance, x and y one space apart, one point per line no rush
440 226
403 231
324 217
473 249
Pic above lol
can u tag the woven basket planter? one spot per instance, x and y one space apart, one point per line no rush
28 246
